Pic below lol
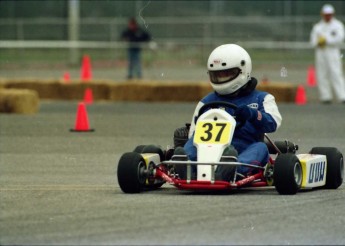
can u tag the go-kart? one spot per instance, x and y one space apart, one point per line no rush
148 167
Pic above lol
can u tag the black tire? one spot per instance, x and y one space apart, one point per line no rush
154 149
130 172
181 136
139 148
284 147
287 174
335 165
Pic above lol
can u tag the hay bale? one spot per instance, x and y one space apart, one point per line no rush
283 92
167 92
56 89
76 91
2 84
185 92
20 101
130 92
48 89
136 90
154 91
205 88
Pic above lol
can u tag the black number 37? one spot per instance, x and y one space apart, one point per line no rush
210 131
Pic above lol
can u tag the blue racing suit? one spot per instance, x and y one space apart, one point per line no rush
247 140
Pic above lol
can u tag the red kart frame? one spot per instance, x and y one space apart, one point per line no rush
255 180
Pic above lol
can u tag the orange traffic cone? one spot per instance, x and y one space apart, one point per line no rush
88 96
86 73
82 121
301 97
66 77
311 78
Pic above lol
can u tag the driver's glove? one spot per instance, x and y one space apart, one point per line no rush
244 113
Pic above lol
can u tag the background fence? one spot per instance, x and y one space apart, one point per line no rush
246 28
57 33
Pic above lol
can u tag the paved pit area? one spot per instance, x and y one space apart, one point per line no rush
60 187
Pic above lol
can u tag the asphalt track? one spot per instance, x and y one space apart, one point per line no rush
60 187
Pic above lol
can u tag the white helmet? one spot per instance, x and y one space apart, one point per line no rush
327 9
229 67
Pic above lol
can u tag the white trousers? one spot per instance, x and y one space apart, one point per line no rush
329 72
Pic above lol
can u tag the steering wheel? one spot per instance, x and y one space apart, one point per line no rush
206 106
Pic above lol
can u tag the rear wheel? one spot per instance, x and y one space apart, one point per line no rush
335 165
287 174
131 172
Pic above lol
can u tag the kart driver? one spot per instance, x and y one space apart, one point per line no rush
229 68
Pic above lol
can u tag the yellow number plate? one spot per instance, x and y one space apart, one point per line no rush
212 132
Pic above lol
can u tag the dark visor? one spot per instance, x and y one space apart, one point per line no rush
222 76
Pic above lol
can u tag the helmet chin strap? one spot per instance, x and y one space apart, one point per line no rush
243 91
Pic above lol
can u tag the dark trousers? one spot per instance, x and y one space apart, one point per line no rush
134 66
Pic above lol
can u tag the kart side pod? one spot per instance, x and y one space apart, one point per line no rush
314 169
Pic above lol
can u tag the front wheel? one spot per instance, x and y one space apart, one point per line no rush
131 172
335 165
287 174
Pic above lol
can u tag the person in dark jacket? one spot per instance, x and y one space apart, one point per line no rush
135 36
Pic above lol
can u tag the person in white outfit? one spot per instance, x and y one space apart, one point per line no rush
326 37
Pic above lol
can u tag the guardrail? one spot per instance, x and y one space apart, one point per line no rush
121 45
